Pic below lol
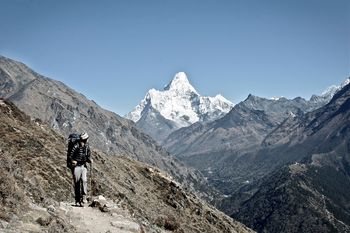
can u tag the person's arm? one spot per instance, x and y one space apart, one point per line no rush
74 162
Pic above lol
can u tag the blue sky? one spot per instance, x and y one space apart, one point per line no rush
114 51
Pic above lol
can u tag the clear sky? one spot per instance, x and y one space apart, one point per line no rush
114 51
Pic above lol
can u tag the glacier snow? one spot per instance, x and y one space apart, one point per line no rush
182 104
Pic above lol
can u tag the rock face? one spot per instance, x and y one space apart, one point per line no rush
36 189
178 105
67 111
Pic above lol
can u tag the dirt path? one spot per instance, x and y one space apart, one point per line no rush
88 219
80 220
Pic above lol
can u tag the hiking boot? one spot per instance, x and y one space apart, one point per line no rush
83 200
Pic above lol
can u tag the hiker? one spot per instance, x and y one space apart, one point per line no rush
79 156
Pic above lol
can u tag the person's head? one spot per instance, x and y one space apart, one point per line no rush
84 137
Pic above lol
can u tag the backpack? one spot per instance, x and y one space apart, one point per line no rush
72 140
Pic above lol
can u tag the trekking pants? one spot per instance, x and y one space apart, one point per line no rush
80 176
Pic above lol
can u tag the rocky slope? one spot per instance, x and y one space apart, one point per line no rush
36 188
67 111
178 105
306 162
297 198
240 131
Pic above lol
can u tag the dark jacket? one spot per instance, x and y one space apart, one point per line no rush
81 154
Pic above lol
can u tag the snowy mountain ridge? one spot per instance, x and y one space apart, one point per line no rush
329 92
180 103
334 88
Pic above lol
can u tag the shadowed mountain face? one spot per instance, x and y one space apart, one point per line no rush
153 123
296 198
305 174
36 186
67 111
241 131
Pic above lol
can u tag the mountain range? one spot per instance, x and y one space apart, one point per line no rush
307 188
178 105
264 144
206 145
281 165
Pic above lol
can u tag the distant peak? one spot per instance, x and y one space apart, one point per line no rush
254 98
331 90
180 82
345 83
276 98
251 96
181 76
219 96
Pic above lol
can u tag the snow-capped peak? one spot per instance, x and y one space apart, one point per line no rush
276 98
346 82
180 103
328 94
180 83
221 98
331 90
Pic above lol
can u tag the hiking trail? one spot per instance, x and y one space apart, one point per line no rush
88 219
